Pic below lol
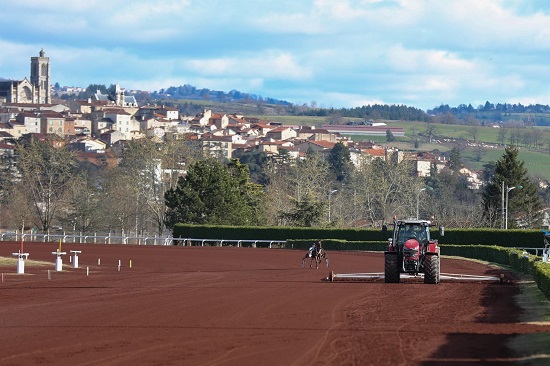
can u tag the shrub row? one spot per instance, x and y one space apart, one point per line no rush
273 233
514 258
503 238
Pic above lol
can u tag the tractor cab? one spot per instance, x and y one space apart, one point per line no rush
405 230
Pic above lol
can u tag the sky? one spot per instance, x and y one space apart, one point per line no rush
329 53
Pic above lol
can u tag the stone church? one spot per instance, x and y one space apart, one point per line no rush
33 91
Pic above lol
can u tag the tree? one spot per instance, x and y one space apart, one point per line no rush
46 172
385 188
455 159
339 161
502 135
431 130
8 176
479 152
210 193
524 202
474 132
389 136
292 183
450 201
307 212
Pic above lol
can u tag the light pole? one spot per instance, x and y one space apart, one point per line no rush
330 194
418 199
508 189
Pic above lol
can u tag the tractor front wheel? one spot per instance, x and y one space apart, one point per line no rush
392 273
431 268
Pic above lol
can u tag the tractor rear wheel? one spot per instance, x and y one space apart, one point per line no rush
391 268
431 268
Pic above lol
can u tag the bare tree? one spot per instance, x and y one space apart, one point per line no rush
384 189
290 184
46 172
474 133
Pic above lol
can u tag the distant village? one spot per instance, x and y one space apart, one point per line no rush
92 127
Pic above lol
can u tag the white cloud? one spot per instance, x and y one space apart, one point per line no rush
269 65
345 51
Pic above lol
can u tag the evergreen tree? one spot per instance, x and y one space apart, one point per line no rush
389 136
339 161
523 203
210 193
455 159
307 212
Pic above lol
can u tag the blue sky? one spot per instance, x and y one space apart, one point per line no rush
336 53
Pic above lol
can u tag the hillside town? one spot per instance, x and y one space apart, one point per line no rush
92 127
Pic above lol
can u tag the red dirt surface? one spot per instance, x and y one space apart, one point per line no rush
245 306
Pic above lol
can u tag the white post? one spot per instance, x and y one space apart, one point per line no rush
58 260
75 254
21 257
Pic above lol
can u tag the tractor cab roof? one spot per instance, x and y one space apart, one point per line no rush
413 222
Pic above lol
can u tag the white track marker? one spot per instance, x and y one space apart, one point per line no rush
130 263
98 261
87 271
49 275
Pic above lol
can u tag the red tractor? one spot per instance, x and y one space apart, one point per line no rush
412 251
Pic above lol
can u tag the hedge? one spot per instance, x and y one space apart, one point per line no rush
503 238
514 258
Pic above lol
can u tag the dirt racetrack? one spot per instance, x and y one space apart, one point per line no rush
248 306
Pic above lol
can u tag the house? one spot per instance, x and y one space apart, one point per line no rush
54 122
31 121
7 114
151 111
217 146
472 178
116 97
315 146
122 122
88 145
219 120
82 126
16 129
317 134
170 113
201 119
112 137
281 133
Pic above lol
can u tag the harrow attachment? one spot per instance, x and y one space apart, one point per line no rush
443 276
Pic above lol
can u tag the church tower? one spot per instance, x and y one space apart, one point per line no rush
40 78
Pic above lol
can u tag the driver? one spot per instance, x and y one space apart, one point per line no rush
410 234
312 249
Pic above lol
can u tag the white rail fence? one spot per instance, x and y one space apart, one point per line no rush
139 240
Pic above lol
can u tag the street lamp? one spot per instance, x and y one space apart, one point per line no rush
330 194
508 189
418 199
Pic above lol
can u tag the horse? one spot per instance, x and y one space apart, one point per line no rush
320 255
310 254
317 255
